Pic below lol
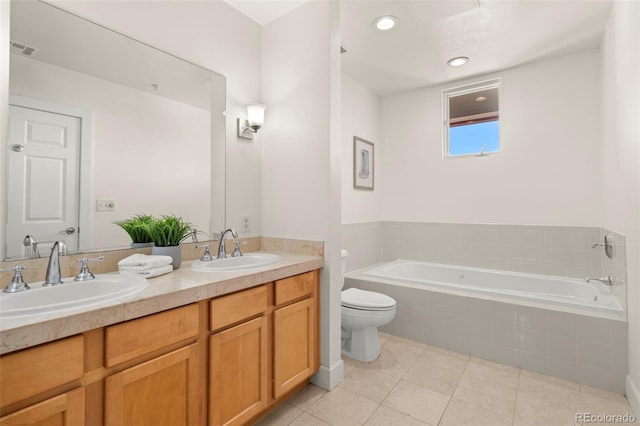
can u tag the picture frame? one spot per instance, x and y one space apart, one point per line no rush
363 164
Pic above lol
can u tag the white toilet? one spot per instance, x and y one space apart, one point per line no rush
362 313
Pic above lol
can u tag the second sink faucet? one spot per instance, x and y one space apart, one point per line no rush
222 250
53 268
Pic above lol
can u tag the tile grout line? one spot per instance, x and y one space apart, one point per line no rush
454 390
515 403
400 379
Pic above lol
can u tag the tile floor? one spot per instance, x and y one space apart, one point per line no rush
416 384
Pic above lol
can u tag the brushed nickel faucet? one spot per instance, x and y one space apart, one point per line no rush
206 256
236 250
222 250
85 274
17 284
53 268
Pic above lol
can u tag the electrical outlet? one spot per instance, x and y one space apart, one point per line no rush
105 205
246 223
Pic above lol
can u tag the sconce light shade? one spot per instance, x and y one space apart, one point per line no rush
255 118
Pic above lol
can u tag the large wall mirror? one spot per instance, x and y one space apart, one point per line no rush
103 127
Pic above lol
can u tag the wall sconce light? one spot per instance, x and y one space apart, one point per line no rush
248 127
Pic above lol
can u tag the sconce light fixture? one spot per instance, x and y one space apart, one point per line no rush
248 127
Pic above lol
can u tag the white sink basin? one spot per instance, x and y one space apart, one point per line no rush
241 263
70 295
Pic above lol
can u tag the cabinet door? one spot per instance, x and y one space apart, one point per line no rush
238 375
162 391
62 410
295 330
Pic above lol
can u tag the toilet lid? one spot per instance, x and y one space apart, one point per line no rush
361 299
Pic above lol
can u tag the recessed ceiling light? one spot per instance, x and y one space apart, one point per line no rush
385 23
459 61
481 98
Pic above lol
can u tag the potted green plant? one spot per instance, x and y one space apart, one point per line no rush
167 232
138 229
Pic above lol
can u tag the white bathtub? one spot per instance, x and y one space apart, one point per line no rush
550 291
562 327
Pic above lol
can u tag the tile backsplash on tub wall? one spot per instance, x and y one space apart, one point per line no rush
363 241
550 250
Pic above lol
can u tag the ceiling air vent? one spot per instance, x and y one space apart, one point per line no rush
22 49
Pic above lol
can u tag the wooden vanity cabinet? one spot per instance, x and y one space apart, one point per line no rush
265 347
238 356
226 360
162 390
42 385
66 409
295 332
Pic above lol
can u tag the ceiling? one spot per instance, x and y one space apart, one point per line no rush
62 39
265 11
494 34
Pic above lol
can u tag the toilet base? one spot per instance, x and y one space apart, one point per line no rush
362 345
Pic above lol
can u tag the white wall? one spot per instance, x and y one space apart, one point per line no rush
4 106
301 153
548 172
139 142
360 117
216 36
621 160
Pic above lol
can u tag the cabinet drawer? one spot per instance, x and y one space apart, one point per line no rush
238 306
295 287
138 337
32 371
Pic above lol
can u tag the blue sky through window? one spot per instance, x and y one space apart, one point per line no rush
470 138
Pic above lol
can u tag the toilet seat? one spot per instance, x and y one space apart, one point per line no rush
355 298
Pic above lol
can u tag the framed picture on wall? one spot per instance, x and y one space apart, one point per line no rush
363 164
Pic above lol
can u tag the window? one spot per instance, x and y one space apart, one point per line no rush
471 119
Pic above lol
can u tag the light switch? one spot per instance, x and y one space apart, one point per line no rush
106 205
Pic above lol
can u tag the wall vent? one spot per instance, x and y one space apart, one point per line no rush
22 49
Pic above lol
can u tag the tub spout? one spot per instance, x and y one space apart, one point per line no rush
606 280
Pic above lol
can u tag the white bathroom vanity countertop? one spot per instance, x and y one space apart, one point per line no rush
178 288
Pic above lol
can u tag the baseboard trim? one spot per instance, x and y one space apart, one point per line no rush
328 378
633 396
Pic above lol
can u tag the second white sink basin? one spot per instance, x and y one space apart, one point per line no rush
70 295
241 263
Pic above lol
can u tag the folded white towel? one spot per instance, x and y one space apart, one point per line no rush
136 269
145 261
150 273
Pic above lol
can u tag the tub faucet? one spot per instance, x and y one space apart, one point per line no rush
222 250
53 268
605 280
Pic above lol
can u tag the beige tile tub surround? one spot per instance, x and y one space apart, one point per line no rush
485 394
570 346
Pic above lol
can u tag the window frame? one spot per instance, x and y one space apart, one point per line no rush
494 83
